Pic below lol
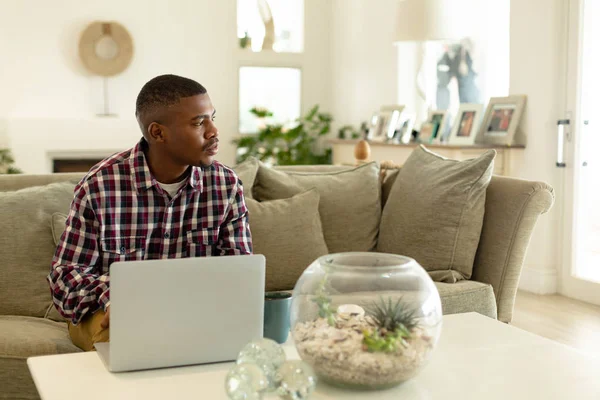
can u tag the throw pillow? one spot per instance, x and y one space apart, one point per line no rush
246 171
350 201
434 212
27 253
288 233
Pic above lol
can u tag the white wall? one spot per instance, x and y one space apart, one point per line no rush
42 78
364 59
537 70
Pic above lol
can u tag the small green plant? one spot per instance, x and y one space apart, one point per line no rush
391 316
261 112
348 132
394 324
322 298
326 310
245 41
6 163
387 342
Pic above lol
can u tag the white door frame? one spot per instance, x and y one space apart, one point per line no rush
570 285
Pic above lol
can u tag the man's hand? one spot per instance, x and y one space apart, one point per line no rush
106 320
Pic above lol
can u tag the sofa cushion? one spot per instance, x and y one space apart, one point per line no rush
434 212
246 171
350 204
24 337
9 183
467 296
323 168
26 254
288 233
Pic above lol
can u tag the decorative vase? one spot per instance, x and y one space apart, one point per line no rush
365 320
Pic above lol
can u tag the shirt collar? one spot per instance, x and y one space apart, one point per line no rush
143 178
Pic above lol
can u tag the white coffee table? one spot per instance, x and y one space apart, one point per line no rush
477 358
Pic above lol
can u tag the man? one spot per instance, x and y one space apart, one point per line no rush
164 198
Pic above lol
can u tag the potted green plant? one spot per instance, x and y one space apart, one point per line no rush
280 145
6 163
245 41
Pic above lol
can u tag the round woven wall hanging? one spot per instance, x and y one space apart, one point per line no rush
106 48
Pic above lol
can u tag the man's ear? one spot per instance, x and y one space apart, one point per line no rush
156 132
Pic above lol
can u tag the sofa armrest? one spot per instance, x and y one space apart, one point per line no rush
512 208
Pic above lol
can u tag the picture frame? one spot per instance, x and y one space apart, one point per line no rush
501 121
391 119
441 118
466 124
374 128
427 132
385 123
406 125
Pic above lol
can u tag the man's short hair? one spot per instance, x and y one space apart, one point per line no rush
164 91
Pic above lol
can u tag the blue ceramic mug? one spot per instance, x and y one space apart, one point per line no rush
277 316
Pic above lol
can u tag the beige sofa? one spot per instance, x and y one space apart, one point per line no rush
29 326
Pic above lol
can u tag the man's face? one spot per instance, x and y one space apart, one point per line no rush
191 137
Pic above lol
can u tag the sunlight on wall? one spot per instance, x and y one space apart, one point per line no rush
288 17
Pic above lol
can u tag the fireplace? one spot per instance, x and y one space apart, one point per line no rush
74 164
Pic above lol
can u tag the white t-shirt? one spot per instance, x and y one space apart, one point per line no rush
172 188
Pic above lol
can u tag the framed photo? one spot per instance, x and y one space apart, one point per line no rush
385 123
391 116
466 125
406 124
502 119
441 118
374 128
427 132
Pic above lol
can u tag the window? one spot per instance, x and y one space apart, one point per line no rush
282 18
470 70
466 71
276 89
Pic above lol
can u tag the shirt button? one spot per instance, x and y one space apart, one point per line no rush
167 235
122 249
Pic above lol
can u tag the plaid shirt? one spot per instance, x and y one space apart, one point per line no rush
121 213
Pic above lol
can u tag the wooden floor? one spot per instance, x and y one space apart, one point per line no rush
559 318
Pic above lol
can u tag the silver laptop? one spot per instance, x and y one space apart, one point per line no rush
175 312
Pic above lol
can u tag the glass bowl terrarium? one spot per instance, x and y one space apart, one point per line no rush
365 320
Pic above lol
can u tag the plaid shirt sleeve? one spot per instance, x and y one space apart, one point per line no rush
77 284
234 235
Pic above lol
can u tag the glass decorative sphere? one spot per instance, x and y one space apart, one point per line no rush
245 382
365 320
266 354
297 380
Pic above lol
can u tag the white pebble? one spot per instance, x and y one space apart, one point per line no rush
351 309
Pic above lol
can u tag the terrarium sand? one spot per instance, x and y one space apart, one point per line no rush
337 353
